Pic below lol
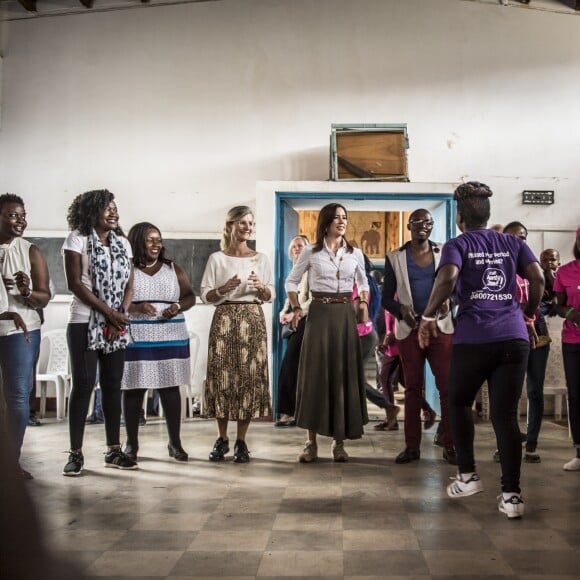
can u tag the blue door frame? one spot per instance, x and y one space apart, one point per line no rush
286 228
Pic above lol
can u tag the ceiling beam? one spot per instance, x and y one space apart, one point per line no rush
29 5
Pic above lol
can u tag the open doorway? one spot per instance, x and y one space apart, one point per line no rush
382 212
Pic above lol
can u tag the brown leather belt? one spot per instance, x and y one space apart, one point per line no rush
328 300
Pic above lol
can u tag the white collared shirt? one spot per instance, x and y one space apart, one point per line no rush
329 273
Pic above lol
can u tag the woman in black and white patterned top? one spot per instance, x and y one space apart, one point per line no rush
97 263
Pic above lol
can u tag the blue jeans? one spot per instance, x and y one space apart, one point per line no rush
535 376
17 358
571 354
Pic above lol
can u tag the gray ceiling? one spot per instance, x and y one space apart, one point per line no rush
21 9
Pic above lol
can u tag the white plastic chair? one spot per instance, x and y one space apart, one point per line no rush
56 371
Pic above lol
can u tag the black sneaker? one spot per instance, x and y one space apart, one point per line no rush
532 457
119 460
241 453
220 448
75 463
131 451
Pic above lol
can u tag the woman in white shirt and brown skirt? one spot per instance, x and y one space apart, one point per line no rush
237 280
331 393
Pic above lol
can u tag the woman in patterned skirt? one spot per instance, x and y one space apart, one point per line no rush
331 390
158 357
237 280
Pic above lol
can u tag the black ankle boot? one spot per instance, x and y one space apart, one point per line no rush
177 452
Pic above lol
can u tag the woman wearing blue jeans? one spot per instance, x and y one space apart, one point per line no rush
25 279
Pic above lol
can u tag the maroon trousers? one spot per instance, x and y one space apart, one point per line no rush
413 358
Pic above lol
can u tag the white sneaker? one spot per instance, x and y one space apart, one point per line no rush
338 453
310 453
461 488
573 465
512 507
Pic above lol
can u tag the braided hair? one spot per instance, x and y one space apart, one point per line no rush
473 203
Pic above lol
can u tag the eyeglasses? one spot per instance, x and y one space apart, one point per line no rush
154 241
418 222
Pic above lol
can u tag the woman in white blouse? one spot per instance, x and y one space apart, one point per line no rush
331 394
237 280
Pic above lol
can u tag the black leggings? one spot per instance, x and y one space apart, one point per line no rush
133 403
503 366
84 377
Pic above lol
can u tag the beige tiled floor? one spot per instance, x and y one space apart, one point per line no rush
366 519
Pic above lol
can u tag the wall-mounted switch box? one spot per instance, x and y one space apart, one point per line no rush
542 197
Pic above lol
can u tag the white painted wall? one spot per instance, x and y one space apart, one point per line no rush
180 110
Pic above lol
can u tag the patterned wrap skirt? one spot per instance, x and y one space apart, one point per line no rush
331 392
237 385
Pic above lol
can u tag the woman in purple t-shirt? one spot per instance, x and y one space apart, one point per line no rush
491 340
567 289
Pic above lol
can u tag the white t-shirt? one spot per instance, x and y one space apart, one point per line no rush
75 242
14 257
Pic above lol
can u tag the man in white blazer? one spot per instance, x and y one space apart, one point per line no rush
409 277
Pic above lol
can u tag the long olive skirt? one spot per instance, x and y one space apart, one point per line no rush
331 393
237 385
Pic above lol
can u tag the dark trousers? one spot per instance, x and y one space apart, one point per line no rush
32 397
537 361
368 343
288 378
438 353
84 376
133 403
571 355
389 375
503 366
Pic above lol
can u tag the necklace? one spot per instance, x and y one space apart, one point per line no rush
151 265
337 266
